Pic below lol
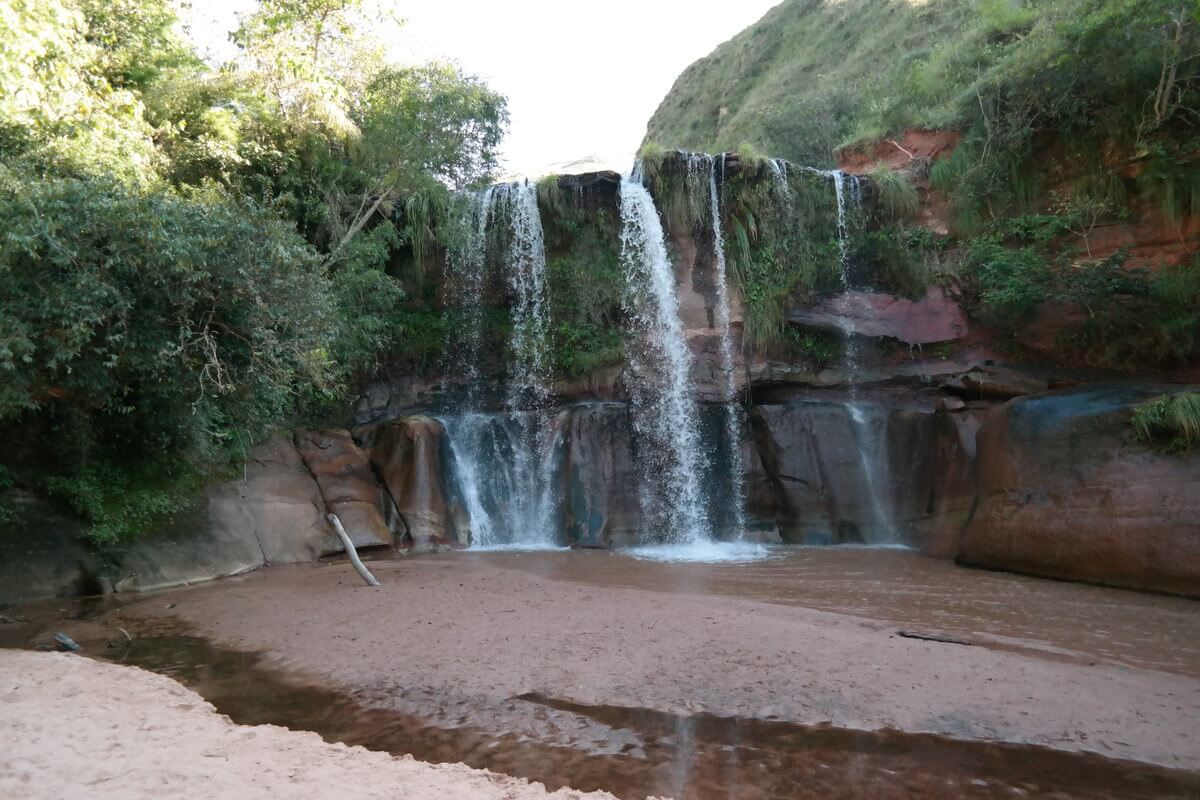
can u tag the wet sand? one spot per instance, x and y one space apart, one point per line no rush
792 677
457 639
73 728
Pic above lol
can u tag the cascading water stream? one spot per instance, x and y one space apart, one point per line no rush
733 420
505 463
883 531
665 415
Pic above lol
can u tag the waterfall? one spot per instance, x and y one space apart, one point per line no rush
848 194
665 415
467 267
505 462
779 177
733 420
507 485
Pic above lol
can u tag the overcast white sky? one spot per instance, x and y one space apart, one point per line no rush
582 77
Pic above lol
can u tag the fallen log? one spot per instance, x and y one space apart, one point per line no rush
359 567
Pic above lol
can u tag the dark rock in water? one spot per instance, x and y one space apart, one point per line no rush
1066 491
66 643
343 474
408 455
900 475
599 479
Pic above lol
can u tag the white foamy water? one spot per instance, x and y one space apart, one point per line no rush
701 552
505 464
665 414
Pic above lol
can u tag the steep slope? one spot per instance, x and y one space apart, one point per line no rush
814 75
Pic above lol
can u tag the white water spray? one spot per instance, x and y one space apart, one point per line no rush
505 463
665 415
848 194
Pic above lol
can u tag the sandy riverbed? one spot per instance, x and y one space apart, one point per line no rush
72 728
454 639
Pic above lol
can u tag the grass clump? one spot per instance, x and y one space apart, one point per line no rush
1171 420
898 198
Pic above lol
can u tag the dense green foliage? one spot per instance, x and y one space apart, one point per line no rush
1126 318
190 255
1172 420
584 283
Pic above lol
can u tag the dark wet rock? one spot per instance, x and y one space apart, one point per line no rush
990 382
409 455
1066 491
43 552
599 480
911 483
343 474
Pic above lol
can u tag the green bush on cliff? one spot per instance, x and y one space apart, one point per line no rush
1127 319
1172 420
583 282
781 246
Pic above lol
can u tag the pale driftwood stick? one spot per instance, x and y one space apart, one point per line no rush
359 567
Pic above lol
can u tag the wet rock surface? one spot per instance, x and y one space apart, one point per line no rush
409 455
601 502
891 475
935 317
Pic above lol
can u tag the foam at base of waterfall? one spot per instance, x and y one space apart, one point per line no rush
517 547
701 552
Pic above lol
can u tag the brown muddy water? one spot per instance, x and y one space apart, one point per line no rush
903 589
634 752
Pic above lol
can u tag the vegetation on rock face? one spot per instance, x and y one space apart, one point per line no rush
584 282
1069 114
192 255
1172 420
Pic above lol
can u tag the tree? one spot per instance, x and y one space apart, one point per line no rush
424 129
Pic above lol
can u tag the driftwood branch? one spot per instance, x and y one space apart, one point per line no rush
931 637
359 567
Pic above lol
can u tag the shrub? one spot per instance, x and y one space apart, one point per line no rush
1171 420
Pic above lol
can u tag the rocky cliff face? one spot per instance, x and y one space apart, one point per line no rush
936 456
1065 491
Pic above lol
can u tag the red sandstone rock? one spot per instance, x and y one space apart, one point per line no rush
408 455
1065 491
344 476
935 317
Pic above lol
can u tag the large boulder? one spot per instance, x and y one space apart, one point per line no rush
1066 491
343 474
408 454
273 513
866 473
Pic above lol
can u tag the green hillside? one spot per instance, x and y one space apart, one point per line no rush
814 75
